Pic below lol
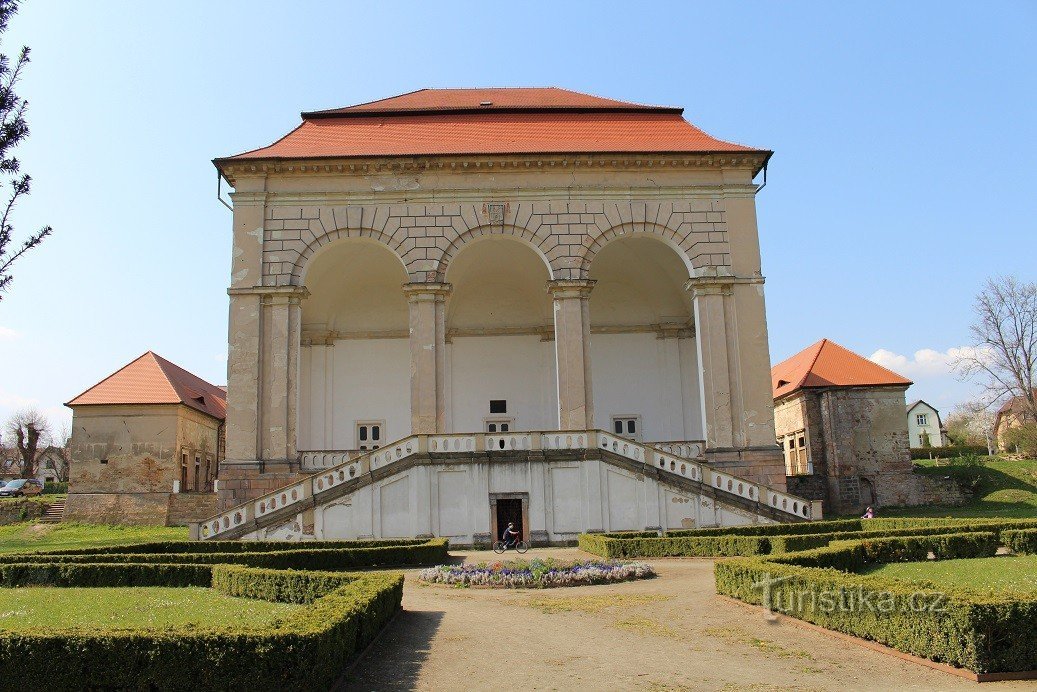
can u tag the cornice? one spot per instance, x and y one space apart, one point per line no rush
498 163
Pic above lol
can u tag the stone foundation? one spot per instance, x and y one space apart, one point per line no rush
118 508
185 508
240 482
14 511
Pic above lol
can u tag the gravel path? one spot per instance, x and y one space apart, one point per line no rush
669 633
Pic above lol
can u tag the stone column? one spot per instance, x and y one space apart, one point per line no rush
708 294
279 384
427 355
572 352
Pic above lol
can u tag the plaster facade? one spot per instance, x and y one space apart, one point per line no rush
129 460
707 378
924 428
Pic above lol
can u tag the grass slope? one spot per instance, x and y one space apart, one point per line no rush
1017 574
38 608
27 537
1002 488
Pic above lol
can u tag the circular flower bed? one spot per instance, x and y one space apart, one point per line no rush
537 573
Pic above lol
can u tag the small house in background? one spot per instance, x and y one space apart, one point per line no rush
1012 414
924 427
839 419
146 445
51 465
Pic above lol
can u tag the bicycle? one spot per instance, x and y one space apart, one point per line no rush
501 546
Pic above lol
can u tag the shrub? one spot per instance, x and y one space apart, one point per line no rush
850 556
55 488
773 529
947 452
1020 540
684 546
981 634
306 650
95 575
288 555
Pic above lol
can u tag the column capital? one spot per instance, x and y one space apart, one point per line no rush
426 290
271 293
570 288
717 281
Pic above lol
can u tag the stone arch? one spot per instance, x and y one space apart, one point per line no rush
305 259
533 240
650 230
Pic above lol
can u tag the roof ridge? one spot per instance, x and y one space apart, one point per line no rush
813 361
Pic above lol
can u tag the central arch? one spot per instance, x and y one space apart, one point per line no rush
499 325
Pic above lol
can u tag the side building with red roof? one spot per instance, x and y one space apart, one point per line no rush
146 446
839 419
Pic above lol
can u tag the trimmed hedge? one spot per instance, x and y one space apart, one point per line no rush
1021 541
782 538
313 556
98 575
684 546
236 546
306 650
977 632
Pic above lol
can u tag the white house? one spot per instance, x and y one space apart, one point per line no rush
457 307
924 427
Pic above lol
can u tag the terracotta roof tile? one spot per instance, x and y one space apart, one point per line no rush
827 364
522 121
151 379
488 99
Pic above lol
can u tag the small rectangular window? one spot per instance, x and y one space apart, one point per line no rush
627 426
492 425
498 406
369 434
802 442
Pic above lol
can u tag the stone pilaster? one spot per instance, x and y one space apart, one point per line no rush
427 303
282 313
712 344
572 352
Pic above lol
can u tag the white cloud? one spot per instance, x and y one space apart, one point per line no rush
933 373
9 400
8 334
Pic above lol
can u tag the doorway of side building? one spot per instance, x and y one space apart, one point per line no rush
508 508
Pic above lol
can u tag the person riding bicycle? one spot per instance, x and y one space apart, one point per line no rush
510 536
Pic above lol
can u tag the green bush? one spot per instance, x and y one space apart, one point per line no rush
851 556
947 452
684 546
981 634
237 546
289 555
773 529
56 488
33 573
1020 540
306 650
788 544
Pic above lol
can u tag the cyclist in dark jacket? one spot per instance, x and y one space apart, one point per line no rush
510 535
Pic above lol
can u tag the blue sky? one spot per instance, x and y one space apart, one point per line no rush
905 138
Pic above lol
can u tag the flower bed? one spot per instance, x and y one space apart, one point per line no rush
537 573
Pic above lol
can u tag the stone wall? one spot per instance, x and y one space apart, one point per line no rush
812 487
14 511
118 508
187 507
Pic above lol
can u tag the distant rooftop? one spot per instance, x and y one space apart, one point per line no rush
827 364
151 379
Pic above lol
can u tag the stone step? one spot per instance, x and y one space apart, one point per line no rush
54 513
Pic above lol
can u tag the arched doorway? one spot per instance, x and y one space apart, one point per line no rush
499 330
354 360
644 364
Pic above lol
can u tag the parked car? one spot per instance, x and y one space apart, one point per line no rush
21 487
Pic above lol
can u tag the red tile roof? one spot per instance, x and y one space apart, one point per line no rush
517 121
492 99
827 364
151 379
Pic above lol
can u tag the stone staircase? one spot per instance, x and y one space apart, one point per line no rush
351 474
54 514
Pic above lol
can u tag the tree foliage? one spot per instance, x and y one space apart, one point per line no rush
30 433
1004 355
13 130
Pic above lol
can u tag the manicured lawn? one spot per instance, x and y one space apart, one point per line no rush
1003 488
25 537
37 608
1015 574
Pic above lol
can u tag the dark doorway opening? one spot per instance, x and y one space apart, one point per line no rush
509 510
